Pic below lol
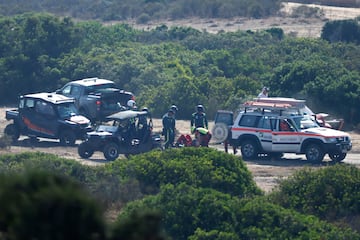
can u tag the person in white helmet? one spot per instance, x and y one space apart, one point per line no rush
131 104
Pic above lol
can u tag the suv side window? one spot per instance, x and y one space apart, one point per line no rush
266 122
249 121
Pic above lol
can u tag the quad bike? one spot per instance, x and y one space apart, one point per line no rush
129 133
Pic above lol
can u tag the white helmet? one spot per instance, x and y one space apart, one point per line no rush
131 103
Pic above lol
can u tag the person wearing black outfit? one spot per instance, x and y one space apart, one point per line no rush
168 122
198 119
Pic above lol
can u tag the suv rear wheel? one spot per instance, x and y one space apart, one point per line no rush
13 131
111 151
314 153
249 150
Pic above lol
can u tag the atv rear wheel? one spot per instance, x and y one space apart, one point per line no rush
85 150
111 151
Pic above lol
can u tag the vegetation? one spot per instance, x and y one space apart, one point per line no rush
187 193
332 193
179 65
144 9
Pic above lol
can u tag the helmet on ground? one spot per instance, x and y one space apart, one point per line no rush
131 103
200 108
174 108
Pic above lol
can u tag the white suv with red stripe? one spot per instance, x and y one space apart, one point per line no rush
261 131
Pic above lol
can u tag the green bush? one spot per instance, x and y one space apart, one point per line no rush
331 193
198 167
40 205
106 187
199 213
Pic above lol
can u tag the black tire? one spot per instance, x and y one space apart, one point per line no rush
314 153
337 157
67 138
85 150
13 131
111 151
249 150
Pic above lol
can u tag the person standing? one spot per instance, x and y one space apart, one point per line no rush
264 93
198 119
168 131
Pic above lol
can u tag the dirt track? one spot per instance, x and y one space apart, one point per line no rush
266 172
297 27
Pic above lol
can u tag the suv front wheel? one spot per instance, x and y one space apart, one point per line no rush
249 150
314 153
85 150
67 138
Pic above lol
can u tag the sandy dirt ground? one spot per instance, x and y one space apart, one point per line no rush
297 27
266 173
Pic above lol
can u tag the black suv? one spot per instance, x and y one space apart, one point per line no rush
96 98
47 115
127 132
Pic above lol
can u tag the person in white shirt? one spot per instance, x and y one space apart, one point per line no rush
264 93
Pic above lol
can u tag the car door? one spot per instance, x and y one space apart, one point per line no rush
43 121
285 137
265 126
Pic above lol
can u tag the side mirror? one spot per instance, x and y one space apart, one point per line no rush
58 91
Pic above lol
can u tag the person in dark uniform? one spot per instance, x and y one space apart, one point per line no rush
168 122
198 119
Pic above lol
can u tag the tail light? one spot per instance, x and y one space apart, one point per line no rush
98 105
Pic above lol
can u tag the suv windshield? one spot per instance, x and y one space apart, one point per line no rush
66 110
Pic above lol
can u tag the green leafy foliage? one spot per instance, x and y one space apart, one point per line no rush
331 193
43 206
341 31
198 167
106 187
137 9
201 213
178 65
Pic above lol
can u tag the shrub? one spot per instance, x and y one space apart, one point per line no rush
198 167
38 205
105 186
330 193
199 213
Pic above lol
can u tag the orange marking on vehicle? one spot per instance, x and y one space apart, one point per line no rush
34 127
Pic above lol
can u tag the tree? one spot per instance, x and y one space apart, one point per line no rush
39 205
